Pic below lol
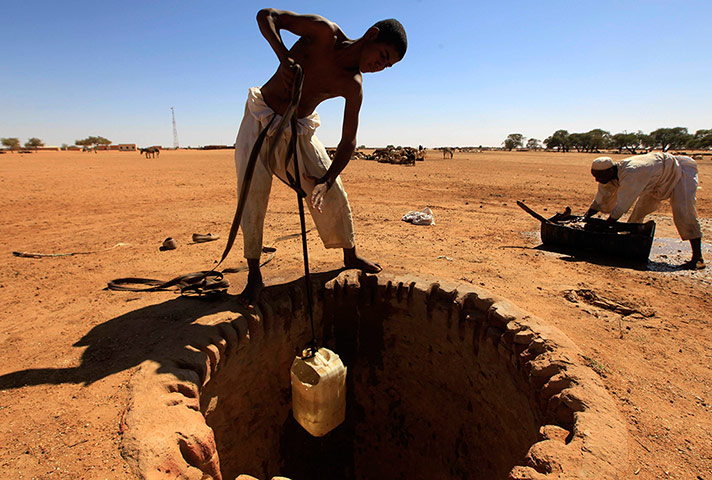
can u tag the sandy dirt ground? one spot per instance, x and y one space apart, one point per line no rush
68 346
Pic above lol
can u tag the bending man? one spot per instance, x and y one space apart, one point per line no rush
650 179
333 65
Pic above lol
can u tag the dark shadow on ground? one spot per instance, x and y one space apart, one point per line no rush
574 255
666 255
128 340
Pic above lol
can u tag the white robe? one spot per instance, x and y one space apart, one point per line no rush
334 223
650 179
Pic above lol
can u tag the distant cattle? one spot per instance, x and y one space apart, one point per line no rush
398 156
150 152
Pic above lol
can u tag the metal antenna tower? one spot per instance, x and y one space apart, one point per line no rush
175 130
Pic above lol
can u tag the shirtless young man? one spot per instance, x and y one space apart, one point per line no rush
333 65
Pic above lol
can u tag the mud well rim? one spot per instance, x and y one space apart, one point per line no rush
579 431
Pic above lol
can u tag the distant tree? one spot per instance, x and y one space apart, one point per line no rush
513 140
591 141
361 147
667 138
647 142
65 146
618 141
93 141
702 140
559 140
34 142
102 141
533 144
11 143
577 141
83 143
598 139
629 141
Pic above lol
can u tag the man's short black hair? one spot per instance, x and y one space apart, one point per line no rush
392 32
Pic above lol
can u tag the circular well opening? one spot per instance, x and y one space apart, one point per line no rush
440 384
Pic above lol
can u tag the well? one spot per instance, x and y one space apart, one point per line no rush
443 382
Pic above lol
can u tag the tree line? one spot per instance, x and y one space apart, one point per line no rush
13 143
676 138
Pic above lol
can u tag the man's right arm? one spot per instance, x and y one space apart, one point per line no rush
271 21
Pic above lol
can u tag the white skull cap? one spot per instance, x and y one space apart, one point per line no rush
602 163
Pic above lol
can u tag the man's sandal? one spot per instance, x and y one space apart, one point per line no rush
203 238
168 244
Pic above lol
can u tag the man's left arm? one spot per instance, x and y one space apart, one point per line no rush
344 150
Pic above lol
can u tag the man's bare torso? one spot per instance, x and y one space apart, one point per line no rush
325 76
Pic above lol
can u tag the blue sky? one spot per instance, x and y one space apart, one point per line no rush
474 71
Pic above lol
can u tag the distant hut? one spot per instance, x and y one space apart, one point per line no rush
123 147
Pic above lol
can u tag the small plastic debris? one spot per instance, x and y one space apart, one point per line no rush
423 217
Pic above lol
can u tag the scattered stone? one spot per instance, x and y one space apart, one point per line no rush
592 298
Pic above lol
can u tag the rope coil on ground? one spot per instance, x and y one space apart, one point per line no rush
47 255
196 283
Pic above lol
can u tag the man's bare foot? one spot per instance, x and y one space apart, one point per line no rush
254 286
251 294
694 264
352 260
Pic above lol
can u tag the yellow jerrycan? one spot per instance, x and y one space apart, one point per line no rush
319 392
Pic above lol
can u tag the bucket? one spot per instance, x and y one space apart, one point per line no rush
319 392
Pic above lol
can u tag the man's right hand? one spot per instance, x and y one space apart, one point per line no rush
287 71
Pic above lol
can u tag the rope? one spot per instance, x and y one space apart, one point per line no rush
46 255
295 183
312 347
208 281
246 181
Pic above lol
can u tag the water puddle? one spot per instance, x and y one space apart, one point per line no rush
667 254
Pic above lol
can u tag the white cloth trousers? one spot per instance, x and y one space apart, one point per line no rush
683 200
334 223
